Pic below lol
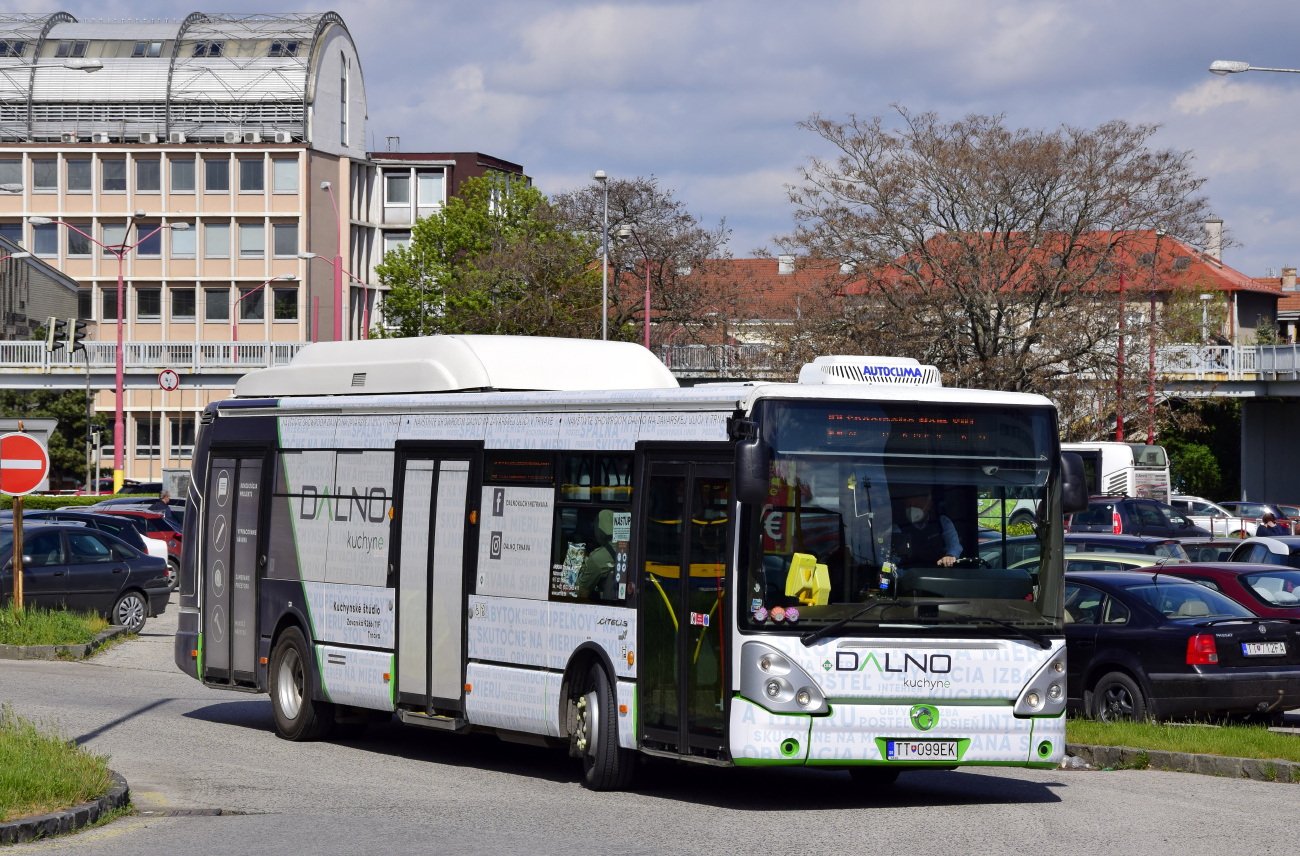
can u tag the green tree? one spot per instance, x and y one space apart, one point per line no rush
68 442
1212 425
496 259
1193 468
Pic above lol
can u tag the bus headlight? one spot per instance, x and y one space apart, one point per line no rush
769 678
1044 695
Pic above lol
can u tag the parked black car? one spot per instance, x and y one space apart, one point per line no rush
71 566
129 529
1088 542
1144 645
1269 550
1121 515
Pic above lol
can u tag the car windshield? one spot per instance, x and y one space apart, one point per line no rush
930 514
1289 510
1188 600
1098 514
1169 550
1274 588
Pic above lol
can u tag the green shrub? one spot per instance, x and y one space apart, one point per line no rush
49 503
48 626
41 771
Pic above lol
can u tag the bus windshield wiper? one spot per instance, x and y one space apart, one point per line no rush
811 639
1037 639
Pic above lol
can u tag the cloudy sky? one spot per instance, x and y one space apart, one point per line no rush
706 95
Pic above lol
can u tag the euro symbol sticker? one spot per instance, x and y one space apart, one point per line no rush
924 717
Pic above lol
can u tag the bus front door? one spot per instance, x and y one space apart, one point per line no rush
232 564
430 526
682 686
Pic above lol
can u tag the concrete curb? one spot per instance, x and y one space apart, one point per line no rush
60 652
68 820
1274 770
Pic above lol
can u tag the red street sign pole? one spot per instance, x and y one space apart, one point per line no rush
24 463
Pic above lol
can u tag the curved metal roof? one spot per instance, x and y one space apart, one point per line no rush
215 73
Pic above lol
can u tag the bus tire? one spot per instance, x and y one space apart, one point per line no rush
298 716
606 766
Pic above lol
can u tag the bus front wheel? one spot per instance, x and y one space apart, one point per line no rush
606 766
297 715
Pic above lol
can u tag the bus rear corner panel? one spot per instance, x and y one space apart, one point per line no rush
186 644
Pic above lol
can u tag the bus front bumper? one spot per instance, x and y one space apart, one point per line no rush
853 734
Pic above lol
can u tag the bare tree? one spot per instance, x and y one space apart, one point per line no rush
987 251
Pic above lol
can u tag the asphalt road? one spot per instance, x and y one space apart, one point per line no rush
399 789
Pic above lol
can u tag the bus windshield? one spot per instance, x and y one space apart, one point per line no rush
932 514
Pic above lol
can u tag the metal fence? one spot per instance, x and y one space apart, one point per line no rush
720 359
181 356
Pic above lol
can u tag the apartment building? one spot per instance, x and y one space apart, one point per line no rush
246 131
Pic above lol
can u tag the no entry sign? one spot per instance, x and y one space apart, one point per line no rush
24 463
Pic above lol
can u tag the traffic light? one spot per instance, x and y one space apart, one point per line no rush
55 333
75 333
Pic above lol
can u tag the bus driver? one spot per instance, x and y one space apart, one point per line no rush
923 539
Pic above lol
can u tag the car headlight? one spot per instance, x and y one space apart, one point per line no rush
769 678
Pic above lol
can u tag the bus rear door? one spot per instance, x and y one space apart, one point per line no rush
233 559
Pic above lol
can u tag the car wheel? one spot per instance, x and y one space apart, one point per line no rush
873 778
1118 698
298 716
606 766
1020 517
130 611
173 574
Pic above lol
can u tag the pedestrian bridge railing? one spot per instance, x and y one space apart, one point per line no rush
150 356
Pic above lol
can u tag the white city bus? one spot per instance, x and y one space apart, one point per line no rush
1128 469
550 540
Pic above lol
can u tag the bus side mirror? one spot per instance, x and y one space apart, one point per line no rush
1074 484
752 470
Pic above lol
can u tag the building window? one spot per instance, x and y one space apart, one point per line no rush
112 235
216 240
250 176
182 304
397 188
108 305
148 176
428 188
148 239
11 171
79 244
284 48
209 48
147 49
14 47
114 175
14 232
85 304
68 48
182 437
182 176
252 240
148 304
183 242
343 99
393 240
216 304
45 240
79 176
284 173
216 176
286 304
45 175
250 303
286 240
148 436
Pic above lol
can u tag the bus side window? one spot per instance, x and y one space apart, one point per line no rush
593 526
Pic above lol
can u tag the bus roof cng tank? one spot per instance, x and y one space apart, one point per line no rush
876 370
459 363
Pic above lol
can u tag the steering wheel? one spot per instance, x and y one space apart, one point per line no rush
971 562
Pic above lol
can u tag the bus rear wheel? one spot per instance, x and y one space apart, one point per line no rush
298 716
606 766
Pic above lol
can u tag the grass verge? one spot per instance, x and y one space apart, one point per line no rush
48 626
1233 741
41 772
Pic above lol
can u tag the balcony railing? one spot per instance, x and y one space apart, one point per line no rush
152 356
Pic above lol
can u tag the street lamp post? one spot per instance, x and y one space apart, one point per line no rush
625 231
1227 66
119 251
338 265
234 310
1205 317
604 257
339 273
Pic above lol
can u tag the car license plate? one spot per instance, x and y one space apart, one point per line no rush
921 750
1263 649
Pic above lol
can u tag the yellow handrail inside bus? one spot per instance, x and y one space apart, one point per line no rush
672 613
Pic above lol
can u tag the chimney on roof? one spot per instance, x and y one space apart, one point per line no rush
1288 279
785 264
1214 239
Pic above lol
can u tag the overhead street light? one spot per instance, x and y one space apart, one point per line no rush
1229 66
600 176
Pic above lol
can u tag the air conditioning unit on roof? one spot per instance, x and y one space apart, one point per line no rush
148 137
283 137
99 137
875 370
66 137
176 138
252 137
232 136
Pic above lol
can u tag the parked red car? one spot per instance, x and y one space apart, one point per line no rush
1269 591
156 525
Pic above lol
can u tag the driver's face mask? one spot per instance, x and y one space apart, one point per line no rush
915 514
